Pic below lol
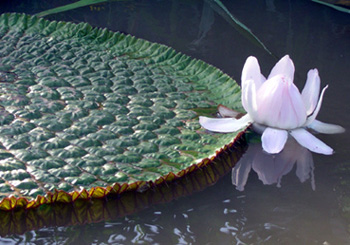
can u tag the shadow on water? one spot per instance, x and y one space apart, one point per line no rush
309 205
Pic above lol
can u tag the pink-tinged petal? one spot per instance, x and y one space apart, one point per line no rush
310 142
311 91
269 101
273 140
224 125
249 98
284 67
292 112
326 128
313 116
251 71
279 104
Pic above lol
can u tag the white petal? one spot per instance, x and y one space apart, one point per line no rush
251 71
326 128
273 140
249 98
311 91
285 67
227 112
224 125
313 116
310 142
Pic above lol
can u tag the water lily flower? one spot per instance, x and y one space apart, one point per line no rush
275 107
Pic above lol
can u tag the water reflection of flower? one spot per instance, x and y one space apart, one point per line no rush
271 168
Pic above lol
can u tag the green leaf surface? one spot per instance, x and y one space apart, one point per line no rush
82 107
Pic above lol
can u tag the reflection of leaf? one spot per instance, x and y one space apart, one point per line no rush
90 112
81 3
220 8
337 7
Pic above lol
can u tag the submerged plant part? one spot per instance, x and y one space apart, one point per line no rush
275 107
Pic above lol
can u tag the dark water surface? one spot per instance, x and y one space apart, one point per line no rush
311 203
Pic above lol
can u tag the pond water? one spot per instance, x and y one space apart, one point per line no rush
296 198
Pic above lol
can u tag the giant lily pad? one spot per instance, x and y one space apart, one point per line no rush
86 112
